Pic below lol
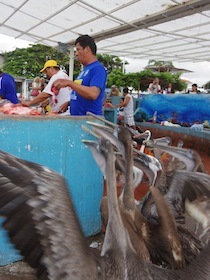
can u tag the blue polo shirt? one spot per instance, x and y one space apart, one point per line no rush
93 74
8 88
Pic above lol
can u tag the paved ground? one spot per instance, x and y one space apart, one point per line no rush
21 271
17 271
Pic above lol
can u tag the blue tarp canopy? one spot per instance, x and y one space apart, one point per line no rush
180 108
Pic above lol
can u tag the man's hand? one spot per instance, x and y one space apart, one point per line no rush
58 84
26 103
63 108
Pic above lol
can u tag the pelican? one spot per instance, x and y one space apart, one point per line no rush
42 223
176 197
149 165
133 221
144 136
189 157
199 209
134 217
99 131
185 188
182 186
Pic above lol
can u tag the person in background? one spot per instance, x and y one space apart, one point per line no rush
154 87
56 98
127 104
169 89
120 113
43 83
8 88
36 86
46 103
195 89
114 91
88 89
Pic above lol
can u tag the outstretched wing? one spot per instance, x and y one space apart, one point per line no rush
41 220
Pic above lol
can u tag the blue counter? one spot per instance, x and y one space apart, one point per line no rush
110 114
56 143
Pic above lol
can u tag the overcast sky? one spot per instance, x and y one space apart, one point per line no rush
10 44
200 74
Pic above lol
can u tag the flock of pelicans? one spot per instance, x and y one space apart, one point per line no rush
165 235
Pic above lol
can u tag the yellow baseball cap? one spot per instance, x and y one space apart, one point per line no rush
50 63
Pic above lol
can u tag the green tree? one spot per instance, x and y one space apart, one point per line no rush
115 77
207 85
141 80
27 62
111 62
160 65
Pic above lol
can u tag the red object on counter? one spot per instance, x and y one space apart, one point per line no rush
11 109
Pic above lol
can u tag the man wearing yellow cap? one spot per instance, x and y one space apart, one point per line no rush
57 98
88 90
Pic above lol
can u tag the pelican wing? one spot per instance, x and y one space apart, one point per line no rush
186 186
41 220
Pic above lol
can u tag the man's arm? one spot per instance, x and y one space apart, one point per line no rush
39 98
87 92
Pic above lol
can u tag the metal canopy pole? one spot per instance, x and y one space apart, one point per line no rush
71 62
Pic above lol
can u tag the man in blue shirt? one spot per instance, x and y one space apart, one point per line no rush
8 87
88 90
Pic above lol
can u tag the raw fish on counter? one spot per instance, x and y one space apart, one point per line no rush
12 109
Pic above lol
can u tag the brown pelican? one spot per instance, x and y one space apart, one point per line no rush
36 225
184 189
146 135
100 131
169 225
182 186
149 165
191 244
199 210
133 216
166 235
42 223
189 157
187 193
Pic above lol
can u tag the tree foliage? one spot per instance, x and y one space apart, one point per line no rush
28 62
160 63
111 62
207 85
141 80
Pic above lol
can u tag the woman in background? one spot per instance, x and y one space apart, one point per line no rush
36 86
154 87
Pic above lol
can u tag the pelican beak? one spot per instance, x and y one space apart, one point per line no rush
102 119
86 129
